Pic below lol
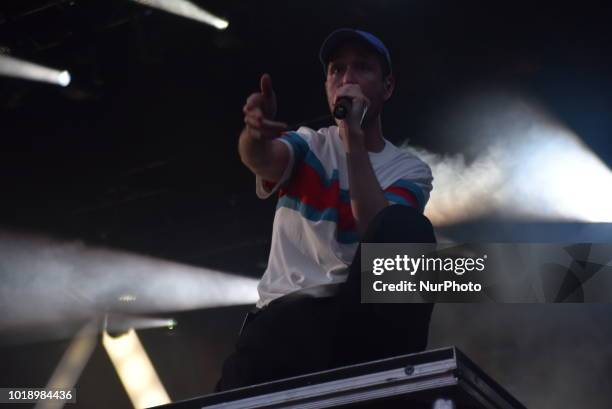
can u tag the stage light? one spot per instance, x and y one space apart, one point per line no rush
13 67
126 298
186 9
64 78
120 323
135 370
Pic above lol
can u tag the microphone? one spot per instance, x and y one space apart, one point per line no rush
342 107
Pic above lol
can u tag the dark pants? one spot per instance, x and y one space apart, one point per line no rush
305 334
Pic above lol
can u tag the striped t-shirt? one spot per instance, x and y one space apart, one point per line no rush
314 236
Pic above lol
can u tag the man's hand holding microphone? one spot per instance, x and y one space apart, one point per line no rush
350 109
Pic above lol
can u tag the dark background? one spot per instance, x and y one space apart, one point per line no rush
139 152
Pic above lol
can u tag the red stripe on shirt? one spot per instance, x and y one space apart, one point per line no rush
405 193
307 186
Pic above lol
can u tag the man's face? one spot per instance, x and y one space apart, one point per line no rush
353 63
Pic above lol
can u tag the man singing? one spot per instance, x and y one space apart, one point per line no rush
336 187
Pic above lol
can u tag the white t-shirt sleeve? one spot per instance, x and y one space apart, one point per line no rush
413 183
298 143
264 188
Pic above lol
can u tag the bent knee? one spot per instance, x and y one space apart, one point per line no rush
400 224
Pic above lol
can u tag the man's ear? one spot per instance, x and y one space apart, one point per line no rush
389 85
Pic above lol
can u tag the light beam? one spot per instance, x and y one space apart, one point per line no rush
51 284
186 9
528 165
135 370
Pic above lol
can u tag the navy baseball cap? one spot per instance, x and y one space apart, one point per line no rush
342 35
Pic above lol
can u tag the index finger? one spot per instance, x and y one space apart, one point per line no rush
265 84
